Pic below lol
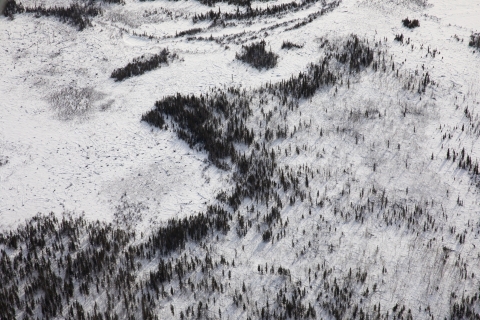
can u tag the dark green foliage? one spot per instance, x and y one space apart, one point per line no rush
3 161
195 228
465 162
189 32
410 24
212 3
355 54
256 56
267 235
76 14
467 308
200 120
57 259
12 8
141 65
399 38
241 3
289 45
112 1
254 13
474 40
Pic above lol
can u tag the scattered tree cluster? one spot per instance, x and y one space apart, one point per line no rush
465 161
256 56
410 24
399 37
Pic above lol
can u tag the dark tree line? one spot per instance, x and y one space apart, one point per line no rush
141 65
188 32
212 3
250 13
256 56
290 45
251 35
313 16
241 3
76 14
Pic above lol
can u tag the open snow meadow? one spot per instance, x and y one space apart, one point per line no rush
238 159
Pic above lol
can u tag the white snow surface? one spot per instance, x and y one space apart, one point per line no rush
85 164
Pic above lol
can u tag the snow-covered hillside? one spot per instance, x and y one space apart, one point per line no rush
240 160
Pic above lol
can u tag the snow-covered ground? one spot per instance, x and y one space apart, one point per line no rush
373 136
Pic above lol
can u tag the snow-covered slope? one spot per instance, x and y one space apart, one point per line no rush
341 183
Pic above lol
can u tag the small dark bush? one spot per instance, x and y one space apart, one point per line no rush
475 40
410 24
267 235
3 160
399 37
12 8
256 56
289 45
